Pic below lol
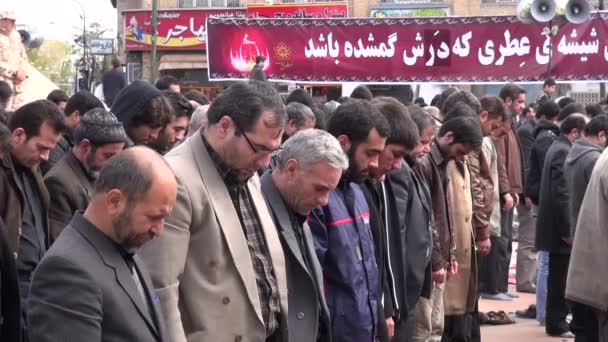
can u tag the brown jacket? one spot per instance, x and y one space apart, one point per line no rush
12 199
483 194
70 189
510 163
460 294
433 168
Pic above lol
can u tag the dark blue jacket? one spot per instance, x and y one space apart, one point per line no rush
345 248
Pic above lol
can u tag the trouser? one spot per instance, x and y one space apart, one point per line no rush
24 293
584 322
429 316
526 254
489 266
504 261
541 286
557 308
602 324
404 330
462 328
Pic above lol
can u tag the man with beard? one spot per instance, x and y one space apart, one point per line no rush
343 238
386 216
175 131
219 269
91 283
98 137
308 168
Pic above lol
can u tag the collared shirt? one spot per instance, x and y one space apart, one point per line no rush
256 242
32 245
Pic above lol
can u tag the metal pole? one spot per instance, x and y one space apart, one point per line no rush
602 84
154 28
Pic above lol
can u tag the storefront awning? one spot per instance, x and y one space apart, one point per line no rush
183 61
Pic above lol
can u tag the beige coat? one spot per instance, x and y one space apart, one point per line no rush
460 293
201 267
489 150
588 271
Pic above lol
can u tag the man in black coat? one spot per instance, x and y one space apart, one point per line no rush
386 216
309 166
113 81
553 224
10 307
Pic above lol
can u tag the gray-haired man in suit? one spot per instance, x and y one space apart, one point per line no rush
90 286
308 168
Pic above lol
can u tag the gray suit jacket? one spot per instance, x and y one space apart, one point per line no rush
201 266
70 190
83 290
305 284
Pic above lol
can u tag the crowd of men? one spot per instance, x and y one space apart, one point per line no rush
159 216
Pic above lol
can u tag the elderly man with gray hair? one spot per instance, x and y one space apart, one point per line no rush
299 117
198 120
308 168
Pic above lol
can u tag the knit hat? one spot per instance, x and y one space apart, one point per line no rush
100 127
133 99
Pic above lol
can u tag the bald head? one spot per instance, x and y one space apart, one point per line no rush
134 171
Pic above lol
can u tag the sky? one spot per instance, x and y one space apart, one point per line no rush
61 19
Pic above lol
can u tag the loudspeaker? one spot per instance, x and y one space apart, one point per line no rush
577 11
523 11
543 10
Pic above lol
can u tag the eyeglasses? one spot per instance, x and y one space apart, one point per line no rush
255 150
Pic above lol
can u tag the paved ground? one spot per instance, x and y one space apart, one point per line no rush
525 330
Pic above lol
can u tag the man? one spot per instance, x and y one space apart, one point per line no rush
196 98
586 282
175 131
343 239
456 138
143 110
553 224
220 255
578 168
198 121
510 176
6 92
362 92
91 283
411 193
386 218
24 203
299 117
309 166
13 57
257 72
58 97
527 131
168 83
98 137
548 90
113 82
77 105
10 308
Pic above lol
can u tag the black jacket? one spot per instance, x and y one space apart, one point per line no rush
525 131
113 81
258 74
546 132
10 307
553 222
578 168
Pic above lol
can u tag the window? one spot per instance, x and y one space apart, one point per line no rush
209 3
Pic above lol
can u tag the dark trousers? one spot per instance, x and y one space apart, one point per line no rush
557 308
24 292
489 266
584 322
462 328
602 324
504 261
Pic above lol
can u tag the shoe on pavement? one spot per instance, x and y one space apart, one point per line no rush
529 313
498 296
567 334
512 295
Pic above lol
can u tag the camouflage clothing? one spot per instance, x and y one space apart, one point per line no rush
13 57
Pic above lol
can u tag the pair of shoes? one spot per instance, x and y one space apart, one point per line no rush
498 296
512 295
566 334
529 313
499 318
